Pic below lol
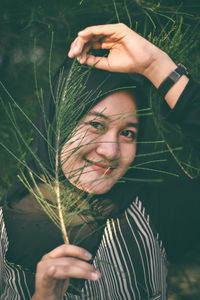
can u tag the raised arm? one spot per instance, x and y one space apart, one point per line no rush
128 52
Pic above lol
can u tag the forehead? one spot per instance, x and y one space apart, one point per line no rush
116 103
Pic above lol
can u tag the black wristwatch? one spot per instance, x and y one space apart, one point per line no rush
173 77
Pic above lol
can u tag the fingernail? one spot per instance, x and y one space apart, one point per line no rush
96 275
80 60
88 255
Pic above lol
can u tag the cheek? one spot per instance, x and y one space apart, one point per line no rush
68 154
66 151
72 146
129 152
73 152
64 158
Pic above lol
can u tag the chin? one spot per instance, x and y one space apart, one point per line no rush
97 189
98 186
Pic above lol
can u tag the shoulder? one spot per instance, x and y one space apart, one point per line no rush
3 238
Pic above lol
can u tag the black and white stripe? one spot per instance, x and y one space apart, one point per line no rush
130 258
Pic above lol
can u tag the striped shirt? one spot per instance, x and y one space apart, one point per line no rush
130 258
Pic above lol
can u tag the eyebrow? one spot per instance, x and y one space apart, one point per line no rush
131 124
98 114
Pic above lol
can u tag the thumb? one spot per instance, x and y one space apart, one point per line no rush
95 61
52 286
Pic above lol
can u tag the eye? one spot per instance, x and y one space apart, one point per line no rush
96 125
130 134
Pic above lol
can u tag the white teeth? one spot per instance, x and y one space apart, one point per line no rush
105 167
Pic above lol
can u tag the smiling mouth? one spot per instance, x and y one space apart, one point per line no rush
104 169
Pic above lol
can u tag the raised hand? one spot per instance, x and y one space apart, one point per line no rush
55 269
129 52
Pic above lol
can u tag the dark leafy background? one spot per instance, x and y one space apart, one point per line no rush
26 29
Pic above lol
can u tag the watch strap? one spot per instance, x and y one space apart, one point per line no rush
173 77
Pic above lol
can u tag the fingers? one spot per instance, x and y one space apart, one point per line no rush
68 250
81 45
77 47
64 262
68 268
95 34
57 267
97 62
80 50
102 30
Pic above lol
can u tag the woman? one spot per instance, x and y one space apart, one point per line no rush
183 106
176 213
134 265
128 260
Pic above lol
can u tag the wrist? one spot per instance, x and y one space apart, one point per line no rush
161 66
171 80
159 69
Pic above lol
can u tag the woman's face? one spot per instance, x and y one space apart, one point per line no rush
103 145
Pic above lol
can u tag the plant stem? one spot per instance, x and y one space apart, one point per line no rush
57 190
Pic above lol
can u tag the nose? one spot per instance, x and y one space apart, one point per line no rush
108 146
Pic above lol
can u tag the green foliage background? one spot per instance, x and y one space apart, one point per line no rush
26 33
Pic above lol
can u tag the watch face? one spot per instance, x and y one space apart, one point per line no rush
174 76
